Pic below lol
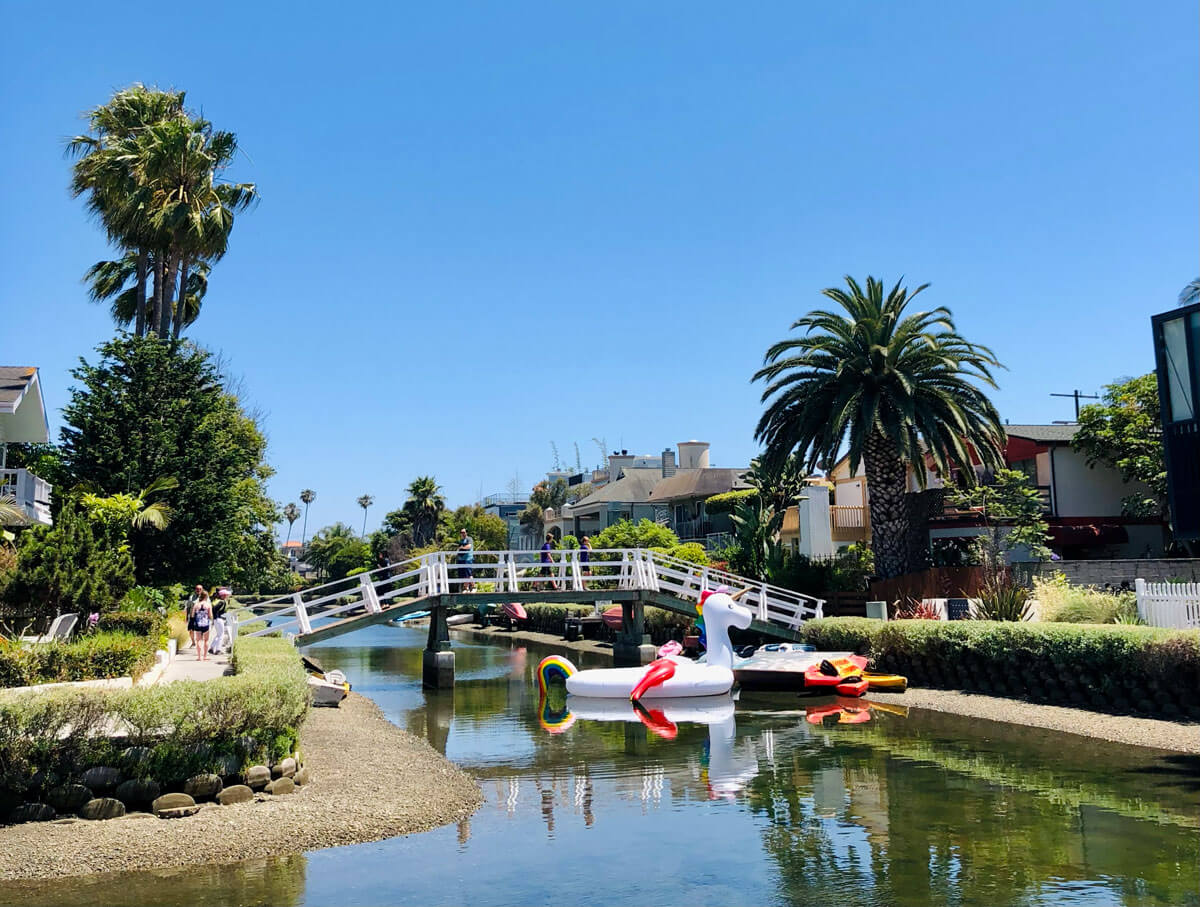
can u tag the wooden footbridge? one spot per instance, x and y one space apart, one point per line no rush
631 577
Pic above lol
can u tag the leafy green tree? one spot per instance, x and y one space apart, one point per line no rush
1012 516
545 495
71 566
756 526
892 388
336 550
424 506
291 513
149 409
1124 431
120 513
643 534
488 531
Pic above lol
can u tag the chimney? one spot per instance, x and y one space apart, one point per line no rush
693 455
668 463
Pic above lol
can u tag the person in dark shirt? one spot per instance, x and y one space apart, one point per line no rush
466 555
548 560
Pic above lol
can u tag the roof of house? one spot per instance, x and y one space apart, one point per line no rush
293 544
698 483
1060 433
22 410
633 487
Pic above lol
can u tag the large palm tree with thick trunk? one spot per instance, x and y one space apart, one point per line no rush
424 505
892 387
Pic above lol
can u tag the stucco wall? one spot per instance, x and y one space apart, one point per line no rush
1082 491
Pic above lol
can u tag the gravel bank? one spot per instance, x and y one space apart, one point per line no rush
371 780
1166 735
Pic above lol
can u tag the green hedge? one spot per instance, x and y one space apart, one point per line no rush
661 624
93 656
1111 668
139 623
725 502
173 730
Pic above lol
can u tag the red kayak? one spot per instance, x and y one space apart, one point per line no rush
843 674
513 611
613 617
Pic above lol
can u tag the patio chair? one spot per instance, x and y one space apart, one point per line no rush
60 631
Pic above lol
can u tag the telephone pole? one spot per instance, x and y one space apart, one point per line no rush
1078 396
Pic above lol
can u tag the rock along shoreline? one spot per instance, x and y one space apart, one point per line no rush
370 781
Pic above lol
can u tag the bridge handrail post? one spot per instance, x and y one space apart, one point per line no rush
369 595
576 572
762 602
301 614
444 574
703 581
513 586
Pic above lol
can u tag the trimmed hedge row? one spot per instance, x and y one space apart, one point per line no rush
90 657
173 730
1110 668
661 624
139 623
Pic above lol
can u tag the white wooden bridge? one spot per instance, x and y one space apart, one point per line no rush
630 576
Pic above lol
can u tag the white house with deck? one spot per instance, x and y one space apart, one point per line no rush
23 421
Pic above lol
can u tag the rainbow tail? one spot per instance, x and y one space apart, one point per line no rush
552 668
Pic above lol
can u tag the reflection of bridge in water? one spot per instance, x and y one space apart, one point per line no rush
630 577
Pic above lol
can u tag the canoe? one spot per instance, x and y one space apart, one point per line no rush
513 611
846 667
613 618
455 619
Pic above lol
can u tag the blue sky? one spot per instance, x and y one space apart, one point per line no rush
486 227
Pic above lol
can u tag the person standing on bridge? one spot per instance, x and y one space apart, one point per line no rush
585 555
466 555
547 560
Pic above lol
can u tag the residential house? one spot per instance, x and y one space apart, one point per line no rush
1083 505
626 498
23 420
684 494
508 507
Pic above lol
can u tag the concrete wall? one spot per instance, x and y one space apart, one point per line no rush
1082 491
1113 573
816 538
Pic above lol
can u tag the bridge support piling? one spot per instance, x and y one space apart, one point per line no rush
437 661
632 647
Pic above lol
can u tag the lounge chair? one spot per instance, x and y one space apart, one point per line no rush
60 631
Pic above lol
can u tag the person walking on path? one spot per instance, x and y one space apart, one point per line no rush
466 555
585 555
191 608
200 622
547 560
220 604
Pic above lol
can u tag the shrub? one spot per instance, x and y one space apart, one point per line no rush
569 542
692 552
137 623
1002 599
91 657
645 534
186 727
725 502
1119 668
1061 602
144 598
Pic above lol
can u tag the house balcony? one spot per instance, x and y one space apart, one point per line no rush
32 493
693 530
849 522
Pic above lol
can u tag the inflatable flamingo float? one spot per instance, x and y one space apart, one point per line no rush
670 676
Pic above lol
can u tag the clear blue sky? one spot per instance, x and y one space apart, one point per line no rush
486 227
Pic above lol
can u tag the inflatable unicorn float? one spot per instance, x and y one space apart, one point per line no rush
671 675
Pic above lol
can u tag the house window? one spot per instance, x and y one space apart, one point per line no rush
1179 382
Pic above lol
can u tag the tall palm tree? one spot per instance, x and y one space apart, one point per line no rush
893 387
424 505
364 502
307 496
291 513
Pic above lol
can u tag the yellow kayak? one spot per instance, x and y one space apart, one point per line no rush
886 683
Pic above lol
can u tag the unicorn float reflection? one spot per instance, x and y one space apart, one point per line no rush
670 676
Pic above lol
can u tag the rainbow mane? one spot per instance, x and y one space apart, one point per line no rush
552 668
554 720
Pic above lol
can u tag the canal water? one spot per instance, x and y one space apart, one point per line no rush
745 803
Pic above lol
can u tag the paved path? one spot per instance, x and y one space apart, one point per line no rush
187 666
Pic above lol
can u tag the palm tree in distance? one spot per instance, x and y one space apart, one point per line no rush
892 388
291 513
424 505
364 502
1190 293
307 496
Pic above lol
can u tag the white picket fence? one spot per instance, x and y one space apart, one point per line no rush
1175 605
524 571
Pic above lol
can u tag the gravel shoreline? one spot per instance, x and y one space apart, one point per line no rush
1178 736
371 780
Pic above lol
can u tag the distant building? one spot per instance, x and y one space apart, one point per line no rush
1177 363
508 507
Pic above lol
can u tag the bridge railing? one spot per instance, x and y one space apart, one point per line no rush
565 570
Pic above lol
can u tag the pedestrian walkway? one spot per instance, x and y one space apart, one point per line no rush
188 666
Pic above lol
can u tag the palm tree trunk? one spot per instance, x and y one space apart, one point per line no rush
183 278
363 534
304 528
889 515
156 297
143 263
168 301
